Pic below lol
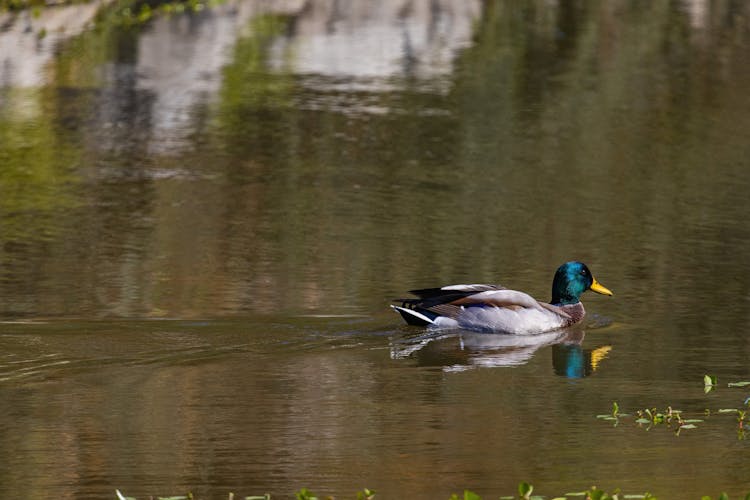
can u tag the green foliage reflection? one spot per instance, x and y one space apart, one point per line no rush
38 165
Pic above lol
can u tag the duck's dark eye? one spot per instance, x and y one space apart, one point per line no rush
584 272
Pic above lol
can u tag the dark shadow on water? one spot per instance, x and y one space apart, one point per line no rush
459 350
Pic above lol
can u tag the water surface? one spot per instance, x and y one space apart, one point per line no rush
203 219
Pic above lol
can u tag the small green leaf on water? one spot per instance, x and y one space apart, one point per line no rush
595 494
738 384
366 494
576 494
633 496
692 420
305 494
470 495
728 410
709 379
688 426
524 489
723 496
603 417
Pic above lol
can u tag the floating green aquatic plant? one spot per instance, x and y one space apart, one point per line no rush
525 489
709 382
723 496
673 418
366 494
305 494
468 495
524 493
615 415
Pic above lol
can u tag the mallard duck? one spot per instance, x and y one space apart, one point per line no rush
493 308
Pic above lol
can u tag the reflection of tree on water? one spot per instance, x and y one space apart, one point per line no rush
458 350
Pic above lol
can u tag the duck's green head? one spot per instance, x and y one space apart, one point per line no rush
571 280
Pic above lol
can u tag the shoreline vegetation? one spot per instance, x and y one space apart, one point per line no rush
126 12
21 5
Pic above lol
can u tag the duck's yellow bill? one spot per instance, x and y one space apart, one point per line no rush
598 288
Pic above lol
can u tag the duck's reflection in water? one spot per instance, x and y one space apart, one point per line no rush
458 350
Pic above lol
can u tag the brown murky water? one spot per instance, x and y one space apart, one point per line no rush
203 219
